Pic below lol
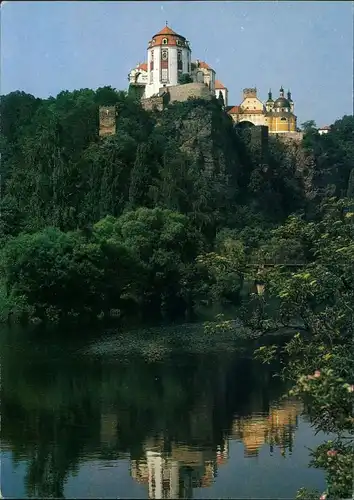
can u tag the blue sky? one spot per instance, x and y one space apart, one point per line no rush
47 47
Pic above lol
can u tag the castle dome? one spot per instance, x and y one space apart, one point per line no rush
166 30
167 36
281 102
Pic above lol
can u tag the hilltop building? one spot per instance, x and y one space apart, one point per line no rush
277 115
169 74
324 130
169 60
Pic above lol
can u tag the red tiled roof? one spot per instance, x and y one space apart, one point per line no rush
166 31
219 85
204 65
234 110
143 66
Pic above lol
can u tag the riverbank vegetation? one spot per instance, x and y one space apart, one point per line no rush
178 211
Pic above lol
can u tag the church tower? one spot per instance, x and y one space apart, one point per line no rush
280 116
169 56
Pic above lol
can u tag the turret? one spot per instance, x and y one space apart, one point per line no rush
270 102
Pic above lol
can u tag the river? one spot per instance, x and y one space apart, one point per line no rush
209 423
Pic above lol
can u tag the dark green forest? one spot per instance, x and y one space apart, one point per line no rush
146 221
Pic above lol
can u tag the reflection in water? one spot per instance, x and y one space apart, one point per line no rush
175 473
173 419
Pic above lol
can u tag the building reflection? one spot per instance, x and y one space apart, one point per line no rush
276 429
175 472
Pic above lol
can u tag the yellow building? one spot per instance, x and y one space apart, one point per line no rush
277 115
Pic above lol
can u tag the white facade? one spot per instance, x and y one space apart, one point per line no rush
163 476
203 73
170 56
224 93
138 75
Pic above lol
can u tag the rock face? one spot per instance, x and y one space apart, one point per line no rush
305 167
207 134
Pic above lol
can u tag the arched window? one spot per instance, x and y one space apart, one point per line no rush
283 119
164 41
200 77
179 59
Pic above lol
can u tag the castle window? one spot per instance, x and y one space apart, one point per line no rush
283 119
164 75
164 54
164 41
178 42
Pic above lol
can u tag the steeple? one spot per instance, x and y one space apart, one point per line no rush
270 95
289 96
281 91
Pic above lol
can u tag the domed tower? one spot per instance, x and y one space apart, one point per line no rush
281 115
169 56
281 104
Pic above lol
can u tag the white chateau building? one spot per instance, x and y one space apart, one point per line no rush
168 58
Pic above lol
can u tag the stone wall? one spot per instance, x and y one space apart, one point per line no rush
107 124
183 92
152 103
290 136
176 93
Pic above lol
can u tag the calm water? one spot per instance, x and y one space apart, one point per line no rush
188 425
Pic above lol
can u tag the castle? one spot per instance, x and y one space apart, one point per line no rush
170 75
